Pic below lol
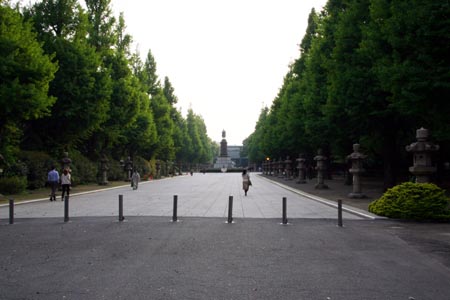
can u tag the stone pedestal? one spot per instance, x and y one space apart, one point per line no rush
321 168
356 170
422 167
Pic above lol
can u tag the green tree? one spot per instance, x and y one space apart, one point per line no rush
26 72
81 88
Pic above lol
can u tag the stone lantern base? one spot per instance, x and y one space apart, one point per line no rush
321 186
357 195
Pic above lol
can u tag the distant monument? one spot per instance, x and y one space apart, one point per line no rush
223 161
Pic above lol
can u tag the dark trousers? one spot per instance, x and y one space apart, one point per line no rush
65 188
54 187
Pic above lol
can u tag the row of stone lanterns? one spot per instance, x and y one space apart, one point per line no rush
422 167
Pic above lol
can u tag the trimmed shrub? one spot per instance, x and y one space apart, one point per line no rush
413 201
13 185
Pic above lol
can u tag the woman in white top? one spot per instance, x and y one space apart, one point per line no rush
65 183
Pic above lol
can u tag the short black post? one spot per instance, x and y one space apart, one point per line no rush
66 209
121 217
230 209
175 208
340 213
11 211
285 221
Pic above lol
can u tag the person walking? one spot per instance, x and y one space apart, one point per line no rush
65 183
53 180
135 178
246 183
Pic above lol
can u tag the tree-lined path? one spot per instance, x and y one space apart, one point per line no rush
201 195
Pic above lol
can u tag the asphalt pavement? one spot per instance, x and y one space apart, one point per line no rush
147 256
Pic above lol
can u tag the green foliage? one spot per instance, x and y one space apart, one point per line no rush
38 163
415 201
143 166
115 171
69 81
369 71
12 185
24 78
83 170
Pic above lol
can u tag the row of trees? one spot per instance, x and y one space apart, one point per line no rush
69 82
369 71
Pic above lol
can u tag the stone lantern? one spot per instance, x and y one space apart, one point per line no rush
301 167
128 168
270 167
321 168
66 161
356 170
104 170
158 168
280 168
274 167
422 167
288 168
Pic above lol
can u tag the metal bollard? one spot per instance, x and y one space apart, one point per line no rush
11 211
66 209
285 220
175 208
230 209
121 217
340 213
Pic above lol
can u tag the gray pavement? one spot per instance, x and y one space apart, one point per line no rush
201 195
148 257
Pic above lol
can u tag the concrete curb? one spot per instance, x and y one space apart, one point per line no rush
346 208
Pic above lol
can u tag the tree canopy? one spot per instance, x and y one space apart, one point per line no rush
369 72
69 81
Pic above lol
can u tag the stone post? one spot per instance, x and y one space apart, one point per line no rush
357 169
422 167
288 168
301 167
321 169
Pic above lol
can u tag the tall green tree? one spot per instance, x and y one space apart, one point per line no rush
82 91
24 79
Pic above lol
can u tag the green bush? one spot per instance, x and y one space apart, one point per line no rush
115 171
413 201
83 170
13 185
38 163
143 166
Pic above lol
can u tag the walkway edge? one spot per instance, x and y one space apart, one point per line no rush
345 208
82 193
